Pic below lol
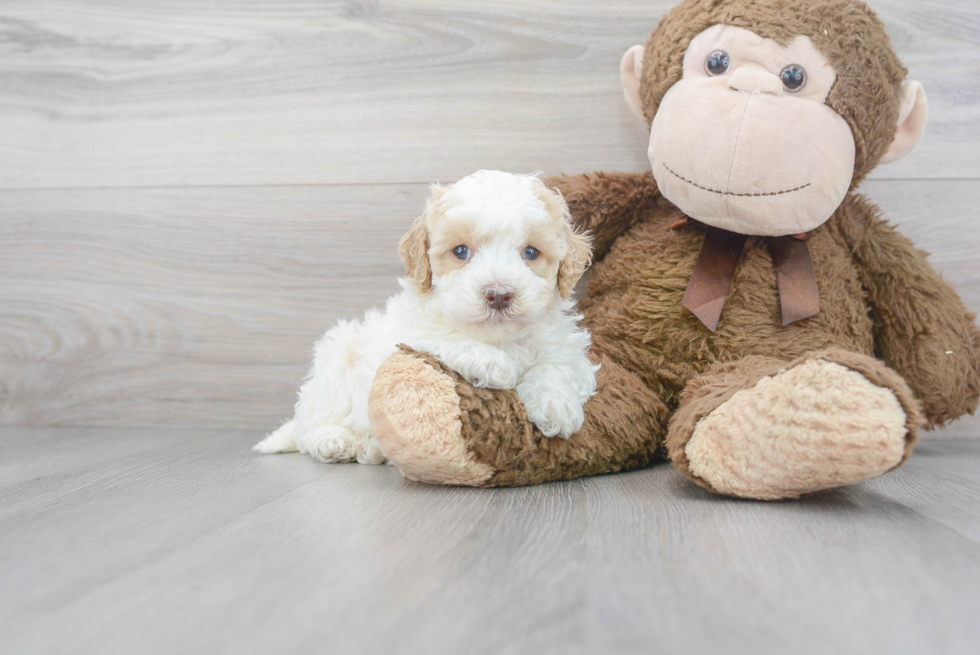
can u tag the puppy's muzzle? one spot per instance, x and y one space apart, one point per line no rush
498 298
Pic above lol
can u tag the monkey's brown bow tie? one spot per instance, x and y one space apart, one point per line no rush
705 297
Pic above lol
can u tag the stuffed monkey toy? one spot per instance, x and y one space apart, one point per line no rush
756 321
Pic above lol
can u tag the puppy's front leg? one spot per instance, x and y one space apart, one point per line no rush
554 394
482 365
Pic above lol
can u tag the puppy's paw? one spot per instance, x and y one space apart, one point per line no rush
368 451
328 444
553 414
499 372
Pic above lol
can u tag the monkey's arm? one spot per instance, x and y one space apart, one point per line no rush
922 328
606 204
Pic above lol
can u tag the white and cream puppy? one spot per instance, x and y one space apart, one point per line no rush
491 265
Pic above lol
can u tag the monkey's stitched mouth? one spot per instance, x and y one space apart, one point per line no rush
731 193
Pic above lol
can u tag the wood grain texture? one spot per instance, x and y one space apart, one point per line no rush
251 93
184 541
146 307
200 306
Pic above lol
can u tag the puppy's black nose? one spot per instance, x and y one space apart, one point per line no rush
499 298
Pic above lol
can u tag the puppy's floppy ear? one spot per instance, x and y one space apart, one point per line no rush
578 245
577 259
414 246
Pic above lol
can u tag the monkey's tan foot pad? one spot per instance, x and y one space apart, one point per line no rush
415 413
815 425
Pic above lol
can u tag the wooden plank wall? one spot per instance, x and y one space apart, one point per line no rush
191 191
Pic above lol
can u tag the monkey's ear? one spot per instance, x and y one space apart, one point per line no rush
630 70
913 114
414 246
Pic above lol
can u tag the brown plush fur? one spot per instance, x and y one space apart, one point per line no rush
884 312
921 327
634 193
613 438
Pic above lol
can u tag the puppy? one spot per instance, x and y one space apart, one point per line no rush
491 265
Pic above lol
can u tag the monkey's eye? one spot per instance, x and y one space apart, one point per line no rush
793 77
531 253
462 252
717 63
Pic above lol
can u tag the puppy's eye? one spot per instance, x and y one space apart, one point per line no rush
717 63
462 252
531 253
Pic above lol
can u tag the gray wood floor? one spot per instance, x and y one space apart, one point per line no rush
192 190
129 541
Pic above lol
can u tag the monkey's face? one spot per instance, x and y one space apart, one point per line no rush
744 140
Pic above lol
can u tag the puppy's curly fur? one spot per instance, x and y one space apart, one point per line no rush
491 265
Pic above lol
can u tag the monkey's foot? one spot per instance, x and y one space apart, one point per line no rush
769 430
416 417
